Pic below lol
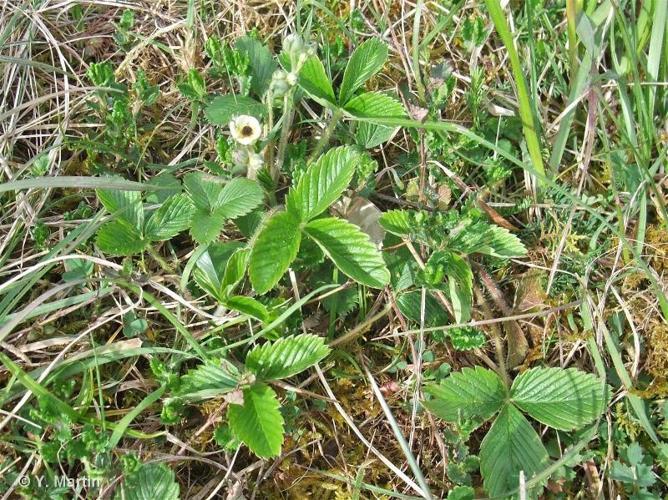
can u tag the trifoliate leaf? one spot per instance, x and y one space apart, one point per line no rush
350 249
170 219
286 357
258 423
510 446
565 399
274 250
323 183
471 393
365 61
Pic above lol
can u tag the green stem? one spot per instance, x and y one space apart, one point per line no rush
288 113
327 134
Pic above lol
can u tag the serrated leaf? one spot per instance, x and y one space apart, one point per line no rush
225 107
206 226
262 64
466 338
396 222
151 481
350 249
211 264
410 305
275 248
170 219
119 238
204 190
565 399
208 380
488 239
126 205
367 59
239 197
460 282
375 105
510 446
470 393
258 423
369 136
323 183
169 185
248 306
287 356
235 269
503 244
315 82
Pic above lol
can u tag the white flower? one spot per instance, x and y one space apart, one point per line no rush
245 129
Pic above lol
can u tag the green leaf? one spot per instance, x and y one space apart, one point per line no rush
510 446
170 219
274 250
126 205
365 61
565 399
206 226
235 269
460 282
239 197
488 239
248 306
225 107
314 81
155 480
204 190
262 64
351 250
208 380
286 357
258 423
397 222
375 105
470 393
323 183
168 184
119 238
410 304
215 262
